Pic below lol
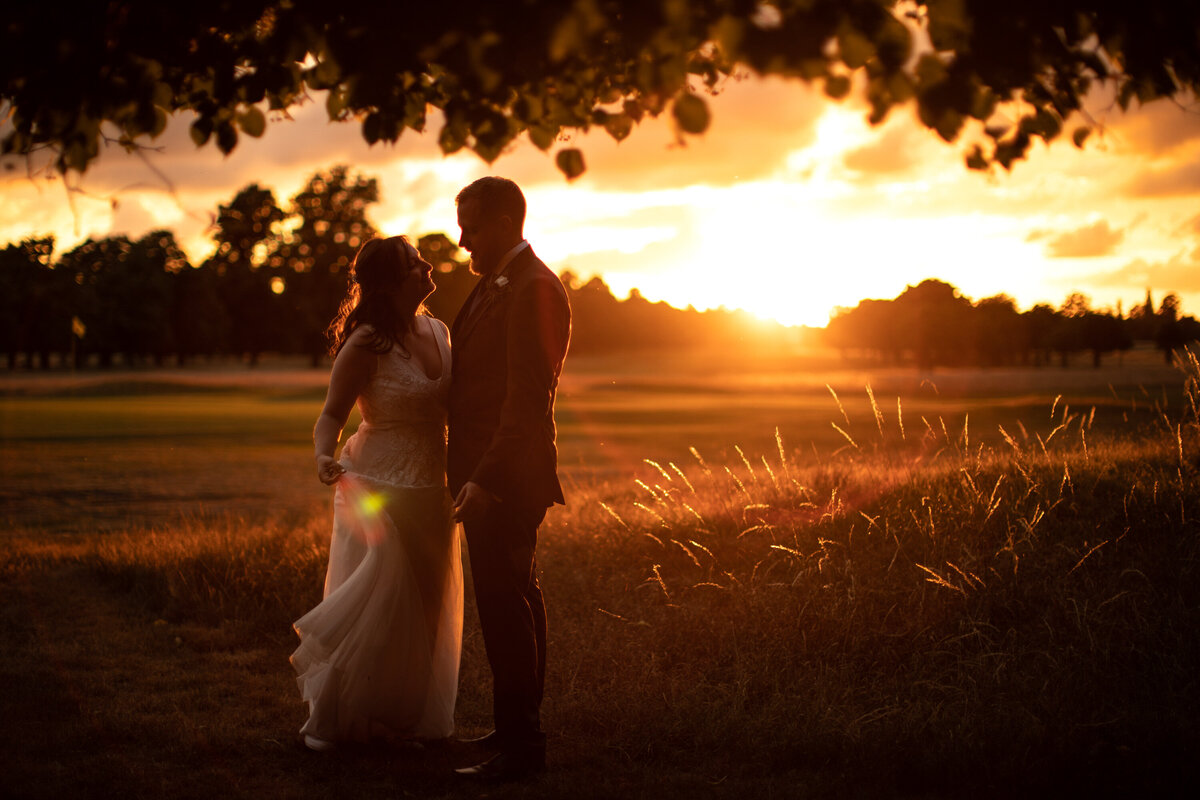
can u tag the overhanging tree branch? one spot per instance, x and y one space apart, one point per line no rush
538 68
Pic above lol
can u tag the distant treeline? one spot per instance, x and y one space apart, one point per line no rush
276 277
931 325
272 286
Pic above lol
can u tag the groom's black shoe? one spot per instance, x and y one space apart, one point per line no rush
509 765
489 741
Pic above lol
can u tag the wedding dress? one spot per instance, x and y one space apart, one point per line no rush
379 656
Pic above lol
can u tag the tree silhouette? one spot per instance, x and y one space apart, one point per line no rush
1170 333
1142 320
933 318
316 256
243 229
932 325
872 326
145 281
200 321
1066 335
123 295
1000 337
34 309
451 275
1104 333
1041 321
556 65
273 286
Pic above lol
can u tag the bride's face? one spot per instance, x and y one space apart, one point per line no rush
417 280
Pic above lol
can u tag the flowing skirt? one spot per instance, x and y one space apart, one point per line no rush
379 656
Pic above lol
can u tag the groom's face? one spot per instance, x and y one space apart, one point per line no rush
484 236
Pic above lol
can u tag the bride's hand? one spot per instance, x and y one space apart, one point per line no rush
328 470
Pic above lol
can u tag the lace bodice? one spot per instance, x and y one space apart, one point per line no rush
402 437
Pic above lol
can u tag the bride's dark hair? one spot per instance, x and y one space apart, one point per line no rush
379 266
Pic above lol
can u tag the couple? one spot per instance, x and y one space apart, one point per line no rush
379 656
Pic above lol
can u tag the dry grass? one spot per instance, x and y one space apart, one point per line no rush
941 607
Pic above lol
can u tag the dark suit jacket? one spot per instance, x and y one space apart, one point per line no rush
508 352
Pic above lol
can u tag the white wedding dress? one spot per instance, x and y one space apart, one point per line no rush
379 656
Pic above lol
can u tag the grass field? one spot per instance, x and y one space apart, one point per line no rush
978 582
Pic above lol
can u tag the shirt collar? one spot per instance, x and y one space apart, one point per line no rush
507 258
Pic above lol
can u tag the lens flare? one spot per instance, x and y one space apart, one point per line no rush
368 520
371 503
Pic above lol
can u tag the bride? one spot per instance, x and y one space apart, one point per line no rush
379 656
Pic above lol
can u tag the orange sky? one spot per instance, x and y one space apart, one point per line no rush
788 206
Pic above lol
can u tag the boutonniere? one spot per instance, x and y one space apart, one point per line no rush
499 286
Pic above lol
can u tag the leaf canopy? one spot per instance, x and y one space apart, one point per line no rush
541 68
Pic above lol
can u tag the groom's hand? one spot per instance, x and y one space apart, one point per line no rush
472 503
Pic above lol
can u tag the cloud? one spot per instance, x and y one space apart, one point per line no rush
1180 273
418 183
1190 227
131 217
755 125
1091 241
802 186
1178 179
1158 128
893 153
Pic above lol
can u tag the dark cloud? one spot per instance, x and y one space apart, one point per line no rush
1087 242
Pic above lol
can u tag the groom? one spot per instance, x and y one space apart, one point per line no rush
510 339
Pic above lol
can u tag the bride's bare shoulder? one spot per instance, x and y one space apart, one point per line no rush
362 336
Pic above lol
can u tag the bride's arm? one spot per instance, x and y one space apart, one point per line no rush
351 371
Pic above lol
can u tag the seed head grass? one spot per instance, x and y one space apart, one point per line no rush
952 610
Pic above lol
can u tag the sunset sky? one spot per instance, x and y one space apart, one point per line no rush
789 206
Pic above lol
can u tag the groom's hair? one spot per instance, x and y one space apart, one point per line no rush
496 197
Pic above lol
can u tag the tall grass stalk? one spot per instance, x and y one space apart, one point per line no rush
932 615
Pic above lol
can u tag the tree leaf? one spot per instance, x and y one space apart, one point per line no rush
570 163
976 160
252 122
618 126
574 55
691 113
837 86
543 136
949 123
372 127
1049 125
200 130
855 49
226 137
335 104
452 138
160 123
930 70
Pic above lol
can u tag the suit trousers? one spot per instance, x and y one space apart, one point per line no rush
512 616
